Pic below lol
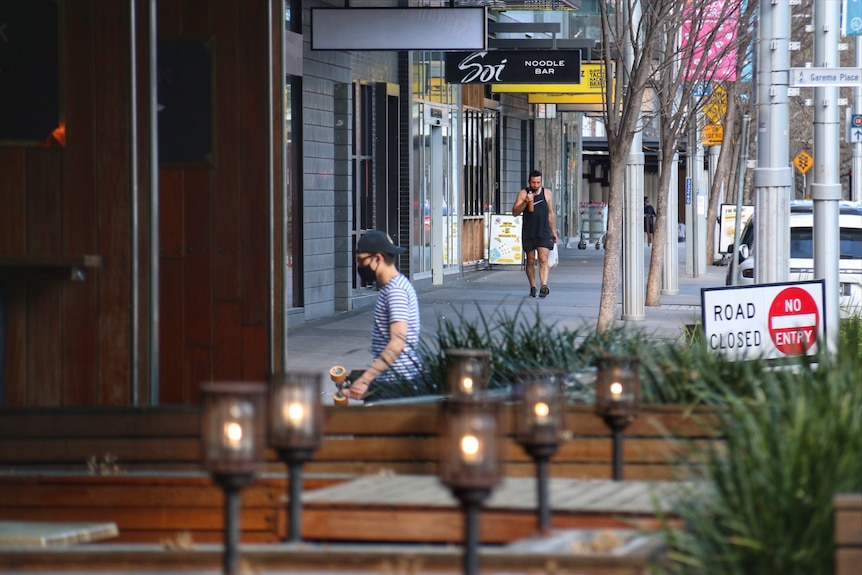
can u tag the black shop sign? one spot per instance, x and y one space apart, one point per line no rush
514 67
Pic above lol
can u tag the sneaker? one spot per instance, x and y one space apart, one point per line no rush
544 291
533 291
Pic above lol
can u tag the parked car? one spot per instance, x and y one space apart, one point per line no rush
802 252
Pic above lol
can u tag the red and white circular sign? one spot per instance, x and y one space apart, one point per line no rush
793 321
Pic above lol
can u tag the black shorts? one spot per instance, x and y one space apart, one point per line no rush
533 243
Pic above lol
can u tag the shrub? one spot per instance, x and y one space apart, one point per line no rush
764 504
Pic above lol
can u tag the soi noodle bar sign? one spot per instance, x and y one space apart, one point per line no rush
514 67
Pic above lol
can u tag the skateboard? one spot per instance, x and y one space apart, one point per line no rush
342 380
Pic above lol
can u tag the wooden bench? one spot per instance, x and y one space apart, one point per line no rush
140 467
848 533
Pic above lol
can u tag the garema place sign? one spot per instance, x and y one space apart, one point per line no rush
513 67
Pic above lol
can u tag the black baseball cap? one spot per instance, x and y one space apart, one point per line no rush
378 242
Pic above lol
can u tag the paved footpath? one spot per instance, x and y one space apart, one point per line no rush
345 339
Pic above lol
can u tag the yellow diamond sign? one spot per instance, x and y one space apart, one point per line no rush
803 161
716 105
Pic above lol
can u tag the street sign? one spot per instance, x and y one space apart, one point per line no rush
794 320
854 128
593 80
768 321
528 67
716 106
702 89
851 24
803 161
713 134
821 77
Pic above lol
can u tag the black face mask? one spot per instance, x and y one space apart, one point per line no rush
367 274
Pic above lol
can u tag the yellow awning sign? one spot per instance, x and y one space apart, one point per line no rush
592 82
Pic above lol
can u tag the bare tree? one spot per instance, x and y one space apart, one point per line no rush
628 43
644 52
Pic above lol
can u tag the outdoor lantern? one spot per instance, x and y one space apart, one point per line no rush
467 371
618 399
232 444
471 459
540 410
295 428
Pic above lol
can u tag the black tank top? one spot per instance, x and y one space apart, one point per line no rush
535 225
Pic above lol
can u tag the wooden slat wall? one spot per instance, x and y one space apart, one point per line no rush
473 239
848 533
151 456
68 343
357 441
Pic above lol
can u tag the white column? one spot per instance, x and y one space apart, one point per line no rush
773 179
826 186
632 268
670 271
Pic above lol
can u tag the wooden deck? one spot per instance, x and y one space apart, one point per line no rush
418 508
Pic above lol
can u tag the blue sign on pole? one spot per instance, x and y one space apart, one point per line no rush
852 18
688 191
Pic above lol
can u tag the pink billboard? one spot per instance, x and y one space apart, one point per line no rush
709 41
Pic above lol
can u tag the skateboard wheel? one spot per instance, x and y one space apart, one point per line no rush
337 374
340 399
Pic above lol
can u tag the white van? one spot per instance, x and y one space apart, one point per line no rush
802 252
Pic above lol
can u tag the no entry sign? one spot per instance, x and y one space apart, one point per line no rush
771 321
793 321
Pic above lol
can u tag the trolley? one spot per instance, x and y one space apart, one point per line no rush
592 223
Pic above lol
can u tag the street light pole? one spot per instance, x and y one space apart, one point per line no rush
826 186
773 179
856 189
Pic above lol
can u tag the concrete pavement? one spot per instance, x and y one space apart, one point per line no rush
345 339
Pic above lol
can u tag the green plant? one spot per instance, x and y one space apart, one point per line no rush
763 503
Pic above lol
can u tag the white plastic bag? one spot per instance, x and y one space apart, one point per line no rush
554 257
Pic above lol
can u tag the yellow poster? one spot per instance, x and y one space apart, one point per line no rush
505 247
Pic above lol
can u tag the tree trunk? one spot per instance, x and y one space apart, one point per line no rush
729 149
656 262
613 244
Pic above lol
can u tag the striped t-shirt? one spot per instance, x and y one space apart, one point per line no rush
397 302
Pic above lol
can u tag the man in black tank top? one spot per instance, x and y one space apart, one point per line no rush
538 230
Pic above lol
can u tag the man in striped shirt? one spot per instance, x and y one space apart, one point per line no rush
395 334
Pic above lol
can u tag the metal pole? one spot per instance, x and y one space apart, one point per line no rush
154 207
270 184
544 508
618 452
740 184
714 152
471 538
826 186
773 179
285 186
294 533
231 530
633 212
856 187
134 199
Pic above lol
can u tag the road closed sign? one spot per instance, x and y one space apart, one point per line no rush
770 321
